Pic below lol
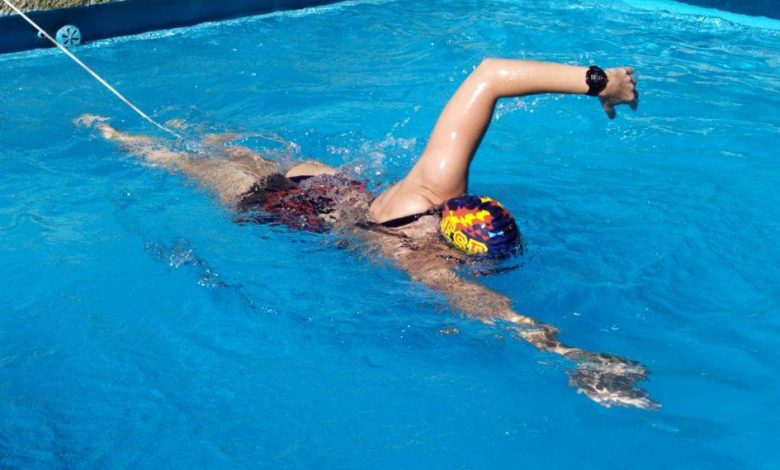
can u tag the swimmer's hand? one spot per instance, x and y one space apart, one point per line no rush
611 381
606 379
621 89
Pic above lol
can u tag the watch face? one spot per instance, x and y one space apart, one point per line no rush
596 80
595 77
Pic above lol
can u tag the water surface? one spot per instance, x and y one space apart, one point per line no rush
143 328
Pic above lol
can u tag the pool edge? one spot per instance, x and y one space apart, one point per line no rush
129 17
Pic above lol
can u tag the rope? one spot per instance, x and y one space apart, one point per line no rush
90 71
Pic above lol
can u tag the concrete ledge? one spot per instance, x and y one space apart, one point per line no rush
132 17
28 5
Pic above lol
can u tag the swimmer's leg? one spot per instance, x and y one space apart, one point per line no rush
310 168
228 177
246 155
139 145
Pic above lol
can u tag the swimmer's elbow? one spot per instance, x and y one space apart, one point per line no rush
485 68
484 81
489 67
488 62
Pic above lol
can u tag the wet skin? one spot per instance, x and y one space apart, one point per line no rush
440 174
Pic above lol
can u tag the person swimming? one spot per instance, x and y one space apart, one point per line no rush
476 225
426 223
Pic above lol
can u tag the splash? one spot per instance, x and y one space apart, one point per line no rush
181 254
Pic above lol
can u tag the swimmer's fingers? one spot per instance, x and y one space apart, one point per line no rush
634 104
633 94
611 387
609 109
610 380
621 89
611 390
632 100
609 362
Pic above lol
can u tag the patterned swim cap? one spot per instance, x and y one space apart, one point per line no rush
479 225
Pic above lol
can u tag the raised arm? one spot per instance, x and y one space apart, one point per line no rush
442 171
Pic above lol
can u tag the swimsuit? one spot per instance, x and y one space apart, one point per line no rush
304 202
301 203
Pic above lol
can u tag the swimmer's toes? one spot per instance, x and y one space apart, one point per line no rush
177 123
89 120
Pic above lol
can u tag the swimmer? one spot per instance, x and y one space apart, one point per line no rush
425 223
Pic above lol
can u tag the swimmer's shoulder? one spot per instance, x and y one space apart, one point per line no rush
399 202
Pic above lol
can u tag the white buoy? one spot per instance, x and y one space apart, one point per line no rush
69 36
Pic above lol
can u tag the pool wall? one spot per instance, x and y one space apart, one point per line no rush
768 8
119 18
133 16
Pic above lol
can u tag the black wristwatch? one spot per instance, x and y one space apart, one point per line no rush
596 80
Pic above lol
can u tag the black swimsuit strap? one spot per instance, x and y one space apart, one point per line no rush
298 179
408 219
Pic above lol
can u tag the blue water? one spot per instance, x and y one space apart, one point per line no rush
141 328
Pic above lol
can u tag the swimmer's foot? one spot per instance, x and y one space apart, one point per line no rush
611 381
178 123
97 122
90 120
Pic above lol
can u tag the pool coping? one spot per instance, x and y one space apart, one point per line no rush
128 17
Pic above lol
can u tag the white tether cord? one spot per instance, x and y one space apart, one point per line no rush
91 72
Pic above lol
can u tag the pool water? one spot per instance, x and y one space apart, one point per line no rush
142 328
